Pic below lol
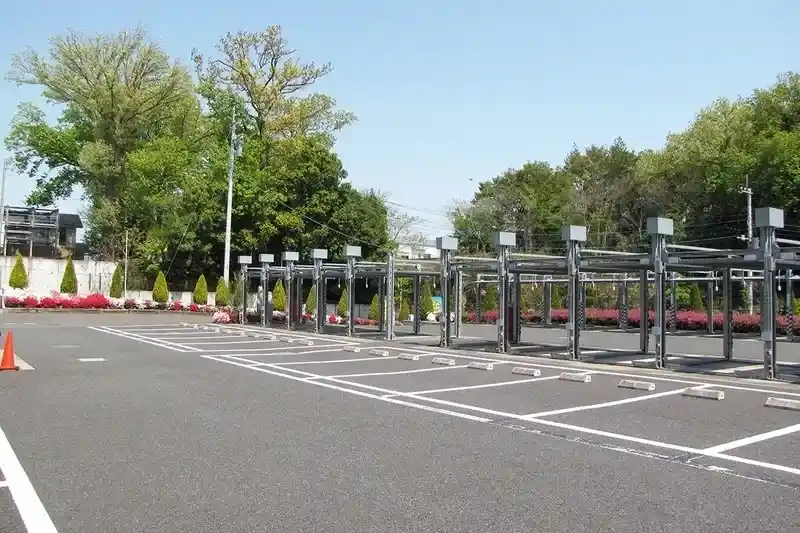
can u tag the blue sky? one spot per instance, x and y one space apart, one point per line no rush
452 93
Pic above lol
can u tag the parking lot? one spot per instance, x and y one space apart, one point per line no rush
150 425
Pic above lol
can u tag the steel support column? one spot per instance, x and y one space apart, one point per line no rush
547 301
381 302
710 304
265 260
445 245
289 259
574 236
415 323
458 292
390 313
352 253
318 255
789 313
768 219
243 287
659 228
727 314
503 240
673 304
644 312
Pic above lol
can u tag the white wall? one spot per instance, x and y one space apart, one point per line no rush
44 275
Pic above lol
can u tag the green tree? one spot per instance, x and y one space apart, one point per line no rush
117 282
160 289
150 150
279 297
695 298
341 307
200 295
18 279
374 310
222 295
69 280
426 304
311 300
490 297
404 312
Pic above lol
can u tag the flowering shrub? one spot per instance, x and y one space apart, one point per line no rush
221 317
684 320
96 301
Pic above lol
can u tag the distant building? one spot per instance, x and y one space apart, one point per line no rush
426 250
41 233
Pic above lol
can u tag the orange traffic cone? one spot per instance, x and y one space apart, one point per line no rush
7 363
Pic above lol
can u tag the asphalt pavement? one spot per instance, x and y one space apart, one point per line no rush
132 423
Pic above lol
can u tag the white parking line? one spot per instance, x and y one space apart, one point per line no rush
30 507
351 391
603 405
138 338
387 397
373 358
226 342
754 439
482 386
737 369
3 485
398 371
302 352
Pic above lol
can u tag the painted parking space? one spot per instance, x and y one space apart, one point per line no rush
660 417
695 422
527 399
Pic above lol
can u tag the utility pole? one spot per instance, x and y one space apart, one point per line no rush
125 274
748 192
232 152
6 163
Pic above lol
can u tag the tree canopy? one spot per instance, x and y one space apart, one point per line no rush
146 139
695 178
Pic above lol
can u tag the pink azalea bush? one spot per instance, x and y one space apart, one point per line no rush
221 317
684 320
95 301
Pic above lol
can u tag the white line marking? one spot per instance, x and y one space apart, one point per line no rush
138 339
92 359
482 386
318 381
3 484
738 368
288 352
153 330
398 372
30 507
627 375
227 342
164 342
22 364
296 334
607 404
283 348
351 391
322 362
185 334
754 439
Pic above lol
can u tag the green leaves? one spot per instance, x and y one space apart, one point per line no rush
150 150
